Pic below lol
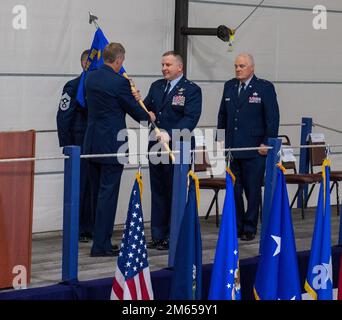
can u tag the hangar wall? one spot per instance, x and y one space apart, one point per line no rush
304 64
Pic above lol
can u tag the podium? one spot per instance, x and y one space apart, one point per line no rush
16 206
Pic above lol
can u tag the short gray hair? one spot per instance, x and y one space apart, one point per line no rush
112 51
247 55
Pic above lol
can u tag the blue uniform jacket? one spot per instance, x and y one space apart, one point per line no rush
109 98
180 110
251 121
71 117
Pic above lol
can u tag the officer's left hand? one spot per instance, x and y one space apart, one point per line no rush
263 150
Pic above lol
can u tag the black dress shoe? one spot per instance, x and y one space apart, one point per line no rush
163 245
83 239
115 247
248 236
109 253
153 244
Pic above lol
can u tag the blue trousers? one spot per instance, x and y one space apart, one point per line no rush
249 174
87 216
161 178
87 213
105 185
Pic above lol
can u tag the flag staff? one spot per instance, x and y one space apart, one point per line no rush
92 19
156 129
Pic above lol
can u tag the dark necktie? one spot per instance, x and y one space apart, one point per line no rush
242 90
166 92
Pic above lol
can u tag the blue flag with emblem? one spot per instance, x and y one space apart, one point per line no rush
225 277
319 277
94 60
277 276
186 281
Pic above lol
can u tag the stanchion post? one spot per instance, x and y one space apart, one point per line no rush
71 212
270 182
340 233
179 194
306 129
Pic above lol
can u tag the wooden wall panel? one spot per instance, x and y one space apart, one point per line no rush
16 204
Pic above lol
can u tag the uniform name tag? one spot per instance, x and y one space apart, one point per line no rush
254 100
178 101
227 99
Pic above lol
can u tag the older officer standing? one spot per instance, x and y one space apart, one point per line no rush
249 114
177 103
109 98
71 127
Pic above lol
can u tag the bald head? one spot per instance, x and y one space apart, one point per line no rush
244 66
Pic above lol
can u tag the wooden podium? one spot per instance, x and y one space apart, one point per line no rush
16 205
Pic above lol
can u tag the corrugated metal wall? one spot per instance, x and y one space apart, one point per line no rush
305 65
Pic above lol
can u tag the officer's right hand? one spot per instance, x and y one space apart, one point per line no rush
136 95
152 116
263 149
163 137
220 145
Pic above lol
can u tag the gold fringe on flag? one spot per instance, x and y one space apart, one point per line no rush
140 183
194 177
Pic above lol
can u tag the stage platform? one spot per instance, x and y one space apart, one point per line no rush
95 274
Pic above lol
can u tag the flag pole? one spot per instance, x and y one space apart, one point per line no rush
156 129
92 19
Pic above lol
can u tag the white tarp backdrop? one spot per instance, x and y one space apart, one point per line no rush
42 41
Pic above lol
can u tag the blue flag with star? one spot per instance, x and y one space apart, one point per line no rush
225 277
186 281
94 60
277 276
319 277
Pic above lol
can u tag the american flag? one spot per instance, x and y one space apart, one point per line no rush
132 280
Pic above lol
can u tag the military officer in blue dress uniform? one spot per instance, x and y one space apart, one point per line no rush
109 99
71 127
177 104
249 114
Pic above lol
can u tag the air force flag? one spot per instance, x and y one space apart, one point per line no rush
225 277
319 277
277 276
